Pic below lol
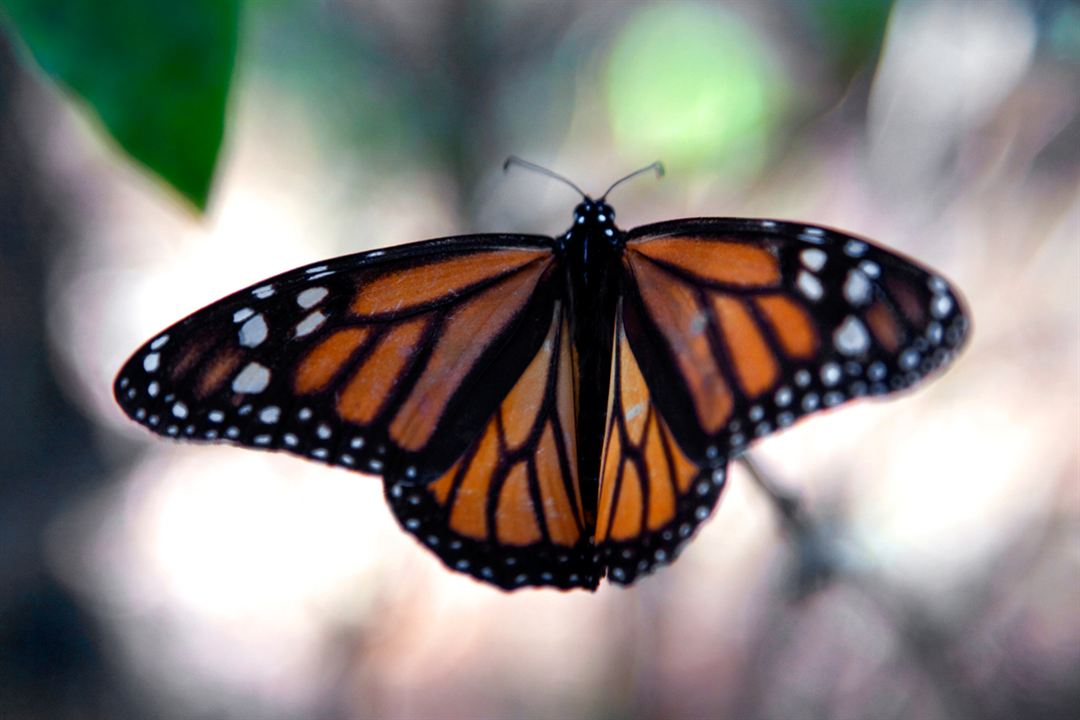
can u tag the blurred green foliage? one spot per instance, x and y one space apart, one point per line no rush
156 74
854 29
696 86
1064 33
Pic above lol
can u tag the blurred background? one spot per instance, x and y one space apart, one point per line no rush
934 571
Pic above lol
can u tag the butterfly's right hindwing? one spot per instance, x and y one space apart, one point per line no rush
510 509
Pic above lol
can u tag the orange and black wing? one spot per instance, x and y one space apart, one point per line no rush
380 361
509 510
652 494
731 329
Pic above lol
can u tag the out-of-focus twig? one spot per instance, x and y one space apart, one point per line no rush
822 557
819 556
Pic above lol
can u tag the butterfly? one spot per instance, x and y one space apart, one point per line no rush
548 411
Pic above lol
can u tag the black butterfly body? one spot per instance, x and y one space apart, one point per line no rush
548 411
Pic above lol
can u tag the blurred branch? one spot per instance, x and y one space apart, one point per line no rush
821 558
818 555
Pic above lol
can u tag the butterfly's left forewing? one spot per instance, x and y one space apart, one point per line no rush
385 359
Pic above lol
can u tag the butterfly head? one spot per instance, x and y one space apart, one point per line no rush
595 215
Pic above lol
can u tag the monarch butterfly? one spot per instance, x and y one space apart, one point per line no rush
548 411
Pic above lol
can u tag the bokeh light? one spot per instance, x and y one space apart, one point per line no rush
696 85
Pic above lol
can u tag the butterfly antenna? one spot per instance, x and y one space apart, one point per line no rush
657 166
515 160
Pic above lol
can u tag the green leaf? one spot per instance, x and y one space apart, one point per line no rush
156 73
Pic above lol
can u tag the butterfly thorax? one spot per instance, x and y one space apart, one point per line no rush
591 250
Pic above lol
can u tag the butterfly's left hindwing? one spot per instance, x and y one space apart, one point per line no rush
652 495
384 359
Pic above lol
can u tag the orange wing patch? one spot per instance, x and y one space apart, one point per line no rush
532 418
643 467
884 326
218 371
468 516
732 263
465 335
791 324
327 358
516 521
190 357
404 289
612 466
907 299
563 521
755 365
372 383
685 324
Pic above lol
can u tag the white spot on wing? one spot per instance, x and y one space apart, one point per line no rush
180 410
310 323
253 332
270 414
851 337
242 314
159 343
311 297
830 374
857 288
813 258
698 323
316 269
263 291
151 362
809 285
252 379
855 248
941 306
